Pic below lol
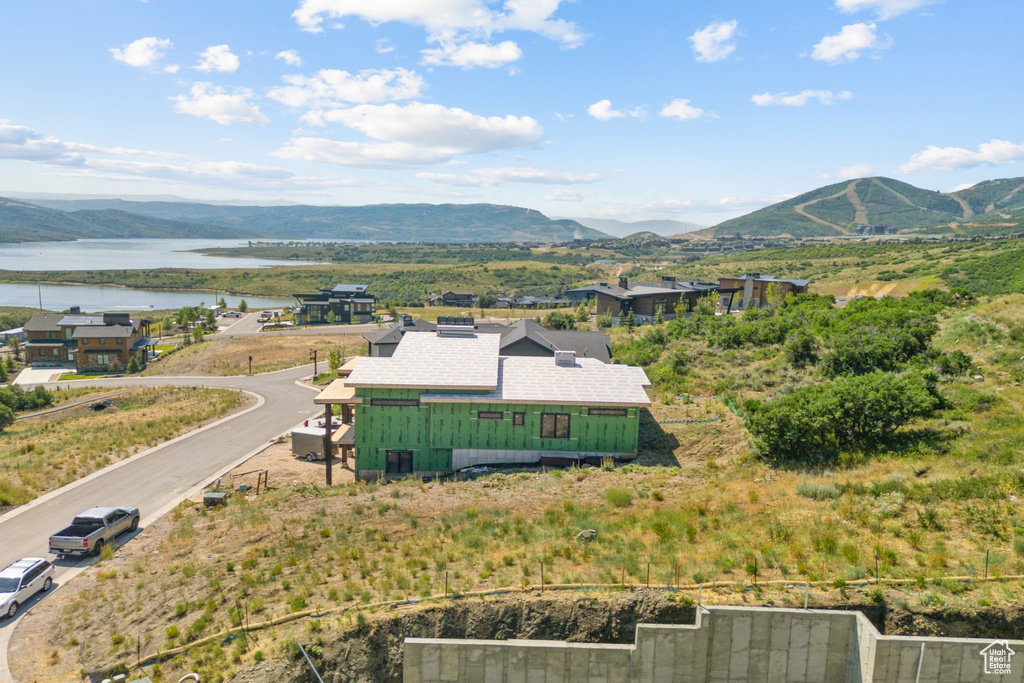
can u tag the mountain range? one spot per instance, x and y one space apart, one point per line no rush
870 205
51 219
615 228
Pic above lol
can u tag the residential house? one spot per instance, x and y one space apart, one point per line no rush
341 304
455 299
92 343
646 300
450 399
754 288
524 338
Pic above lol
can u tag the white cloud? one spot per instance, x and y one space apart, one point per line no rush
800 99
603 110
714 42
564 195
886 9
290 57
142 53
681 109
489 177
848 172
469 54
385 46
218 58
410 135
849 43
213 102
447 18
951 158
331 87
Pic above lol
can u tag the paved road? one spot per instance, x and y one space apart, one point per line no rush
158 479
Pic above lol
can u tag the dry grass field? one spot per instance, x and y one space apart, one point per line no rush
271 351
43 453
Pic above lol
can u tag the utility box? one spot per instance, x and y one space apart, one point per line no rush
216 498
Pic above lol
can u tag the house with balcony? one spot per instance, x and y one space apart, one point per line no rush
341 304
91 343
449 399
753 288
646 300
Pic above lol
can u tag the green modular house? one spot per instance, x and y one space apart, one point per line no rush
447 400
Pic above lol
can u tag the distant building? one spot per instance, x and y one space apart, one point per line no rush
754 288
646 300
92 343
347 303
453 298
17 333
524 338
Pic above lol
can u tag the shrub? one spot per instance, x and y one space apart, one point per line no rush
816 491
618 496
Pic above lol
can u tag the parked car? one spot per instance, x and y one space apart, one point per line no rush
233 314
100 405
93 529
21 580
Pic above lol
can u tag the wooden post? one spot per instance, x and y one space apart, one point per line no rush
328 445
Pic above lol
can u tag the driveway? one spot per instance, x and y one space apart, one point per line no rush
31 376
158 479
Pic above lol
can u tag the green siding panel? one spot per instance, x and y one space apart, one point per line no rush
433 430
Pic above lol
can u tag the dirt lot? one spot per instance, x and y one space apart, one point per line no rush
230 355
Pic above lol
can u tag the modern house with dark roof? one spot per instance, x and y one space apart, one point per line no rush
93 343
524 338
449 399
457 299
754 288
647 300
342 303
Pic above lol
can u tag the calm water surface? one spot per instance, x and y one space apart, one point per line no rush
132 254
135 254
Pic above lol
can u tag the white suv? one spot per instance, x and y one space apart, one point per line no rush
21 580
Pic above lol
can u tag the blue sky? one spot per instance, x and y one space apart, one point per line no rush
696 111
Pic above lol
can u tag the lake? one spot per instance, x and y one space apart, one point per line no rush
141 254
96 298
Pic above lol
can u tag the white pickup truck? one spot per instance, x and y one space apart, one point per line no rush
93 529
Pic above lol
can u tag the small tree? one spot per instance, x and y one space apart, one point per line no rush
331 317
222 302
604 320
16 347
334 359
706 305
133 365
6 417
243 306
659 317
487 300
116 365
10 364
210 320
198 334
582 312
627 320
3 373
773 295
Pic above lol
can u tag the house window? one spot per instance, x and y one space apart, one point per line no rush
395 402
608 412
398 462
554 426
56 352
103 340
85 342
518 419
490 415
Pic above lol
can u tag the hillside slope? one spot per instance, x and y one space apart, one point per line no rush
845 208
384 222
24 222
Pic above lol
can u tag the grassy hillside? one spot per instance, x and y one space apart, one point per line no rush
991 207
22 222
386 222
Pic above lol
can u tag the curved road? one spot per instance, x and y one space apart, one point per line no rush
158 479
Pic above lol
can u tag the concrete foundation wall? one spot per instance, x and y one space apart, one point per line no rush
726 645
469 457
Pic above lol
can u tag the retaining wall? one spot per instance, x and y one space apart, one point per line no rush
726 645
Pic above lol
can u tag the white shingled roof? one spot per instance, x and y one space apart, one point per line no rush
426 361
534 380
